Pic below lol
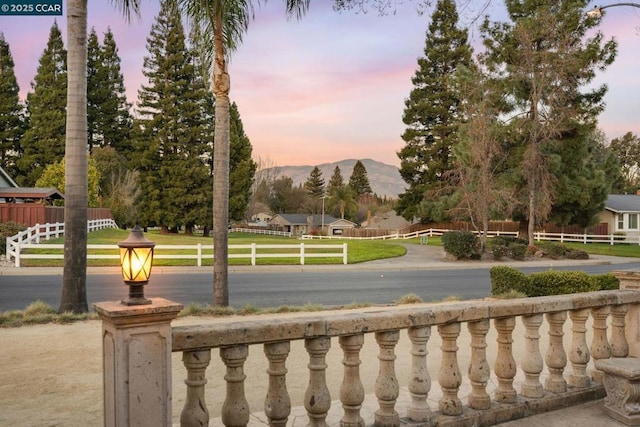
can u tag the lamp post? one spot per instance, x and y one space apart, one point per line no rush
136 345
136 258
596 12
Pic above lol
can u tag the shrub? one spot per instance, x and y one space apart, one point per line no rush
461 244
517 251
576 254
606 282
8 229
554 250
559 282
499 251
505 279
506 240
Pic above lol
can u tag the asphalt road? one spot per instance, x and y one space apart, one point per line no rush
264 289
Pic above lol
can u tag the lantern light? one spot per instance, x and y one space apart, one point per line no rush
136 258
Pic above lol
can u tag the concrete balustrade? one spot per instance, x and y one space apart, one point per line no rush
563 365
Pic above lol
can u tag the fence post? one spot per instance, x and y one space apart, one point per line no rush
199 254
17 256
344 253
611 239
301 253
253 254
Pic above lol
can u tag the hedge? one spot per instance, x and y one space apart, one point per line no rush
552 282
461 244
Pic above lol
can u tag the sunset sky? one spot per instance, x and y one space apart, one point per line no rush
332 85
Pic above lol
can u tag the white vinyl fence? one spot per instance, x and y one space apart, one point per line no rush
198 252
41 232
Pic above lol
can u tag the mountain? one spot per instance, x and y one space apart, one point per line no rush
385 179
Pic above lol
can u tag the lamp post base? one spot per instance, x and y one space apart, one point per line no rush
136 295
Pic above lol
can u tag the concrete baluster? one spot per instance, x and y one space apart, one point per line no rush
479 370
505 365
351 390
556 357
533 363
194 412
235 410
419 381
579 355
449 376
317 399
277 405
619 345
600 348
387 388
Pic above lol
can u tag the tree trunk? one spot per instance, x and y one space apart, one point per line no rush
221 87
532 211
74 290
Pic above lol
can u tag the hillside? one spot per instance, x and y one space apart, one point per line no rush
385 179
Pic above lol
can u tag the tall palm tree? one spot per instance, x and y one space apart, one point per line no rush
74 279
74 293
223 23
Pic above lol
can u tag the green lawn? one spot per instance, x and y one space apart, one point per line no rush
357 250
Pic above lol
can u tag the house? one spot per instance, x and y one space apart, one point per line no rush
388 221
299 224
261 217
622 214
34 205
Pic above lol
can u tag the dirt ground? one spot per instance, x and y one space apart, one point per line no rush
51 375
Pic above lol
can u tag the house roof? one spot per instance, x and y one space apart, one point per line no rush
623 203
5 179
30 193
301 219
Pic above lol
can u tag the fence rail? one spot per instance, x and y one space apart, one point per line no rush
41 232
199 253
612 239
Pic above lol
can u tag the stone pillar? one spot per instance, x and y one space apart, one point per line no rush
630 280
136 346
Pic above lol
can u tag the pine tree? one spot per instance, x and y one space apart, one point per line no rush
315 184
115 121
95 91
11 111
43 142
173 175
545 62
627 150
359 181
336 182
242 168
432 110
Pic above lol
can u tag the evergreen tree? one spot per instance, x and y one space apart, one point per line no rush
315 184
336 182
11 111
108 117
627 150
95 90
545 62
359 181
242 168
43 142
432 111
173 175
